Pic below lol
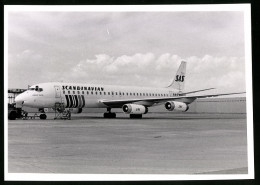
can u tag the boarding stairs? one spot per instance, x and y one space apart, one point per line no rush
61 112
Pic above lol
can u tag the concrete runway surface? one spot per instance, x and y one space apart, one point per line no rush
166 143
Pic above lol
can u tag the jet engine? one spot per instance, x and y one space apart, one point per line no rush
177 106
134 109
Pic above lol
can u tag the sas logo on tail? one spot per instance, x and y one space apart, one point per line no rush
179 78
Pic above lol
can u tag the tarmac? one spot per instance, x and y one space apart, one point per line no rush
160 143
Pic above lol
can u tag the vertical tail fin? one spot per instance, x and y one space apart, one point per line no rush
179 79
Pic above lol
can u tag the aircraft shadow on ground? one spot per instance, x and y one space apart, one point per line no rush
151 118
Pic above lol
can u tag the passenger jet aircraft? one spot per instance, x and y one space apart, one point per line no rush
133 100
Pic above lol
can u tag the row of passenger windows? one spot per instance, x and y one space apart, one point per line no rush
119 93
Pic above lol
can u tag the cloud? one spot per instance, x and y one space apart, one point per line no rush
142 48
224 73
140 69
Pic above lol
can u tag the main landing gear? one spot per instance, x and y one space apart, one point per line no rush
137 116
109 114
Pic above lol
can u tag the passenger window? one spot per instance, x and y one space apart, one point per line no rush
108 93
63 92
91 92
112 93
116 93
78 92
96 92
104 93
100 93
130 94
68 92
73 92
134 94
82 92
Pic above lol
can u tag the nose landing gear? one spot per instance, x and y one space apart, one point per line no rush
43 115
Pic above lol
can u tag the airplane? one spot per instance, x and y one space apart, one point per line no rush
133 100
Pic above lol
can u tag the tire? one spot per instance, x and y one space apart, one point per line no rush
43 116
109 115
139 116
12 115
113 115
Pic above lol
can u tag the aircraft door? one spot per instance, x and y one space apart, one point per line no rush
57 91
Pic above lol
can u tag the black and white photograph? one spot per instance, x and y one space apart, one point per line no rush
144 92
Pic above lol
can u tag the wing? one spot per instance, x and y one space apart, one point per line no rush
158 101
183 94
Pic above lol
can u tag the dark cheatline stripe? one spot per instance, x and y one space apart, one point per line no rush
67 101
71 101
83 101
73 98
77 102
80 101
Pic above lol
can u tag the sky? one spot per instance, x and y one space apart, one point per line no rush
127 48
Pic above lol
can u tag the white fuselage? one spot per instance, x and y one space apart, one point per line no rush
76 95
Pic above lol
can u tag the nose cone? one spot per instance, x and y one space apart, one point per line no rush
19 100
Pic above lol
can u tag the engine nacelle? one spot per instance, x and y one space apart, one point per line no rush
74 110
177 106
134 109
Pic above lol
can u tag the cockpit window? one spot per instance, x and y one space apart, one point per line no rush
36 88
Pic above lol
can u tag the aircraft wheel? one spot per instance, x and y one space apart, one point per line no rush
113 115
136 115
43 116
109 115
12 115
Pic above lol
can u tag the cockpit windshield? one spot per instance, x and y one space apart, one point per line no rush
36 88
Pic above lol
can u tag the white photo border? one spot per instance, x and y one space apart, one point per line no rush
246 8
